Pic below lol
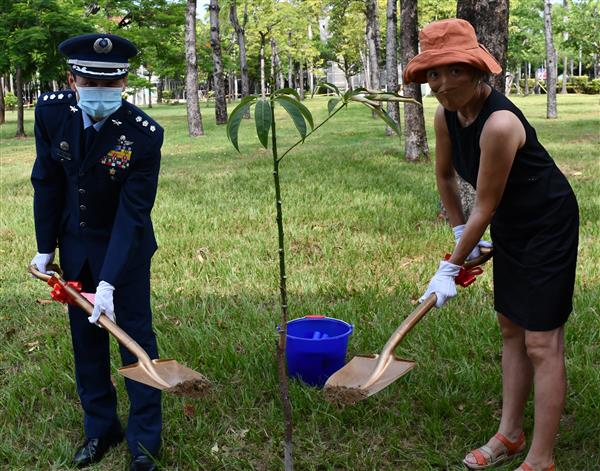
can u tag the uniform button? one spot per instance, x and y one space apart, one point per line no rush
83 224
82 207
82 191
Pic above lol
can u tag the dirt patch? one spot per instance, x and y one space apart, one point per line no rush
191 388
343 396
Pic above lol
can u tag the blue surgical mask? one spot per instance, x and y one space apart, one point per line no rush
99 102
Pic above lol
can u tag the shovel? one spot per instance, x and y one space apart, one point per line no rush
167 375
366 375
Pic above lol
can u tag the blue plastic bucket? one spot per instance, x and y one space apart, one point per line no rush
316 348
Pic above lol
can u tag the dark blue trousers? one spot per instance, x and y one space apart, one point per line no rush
93 371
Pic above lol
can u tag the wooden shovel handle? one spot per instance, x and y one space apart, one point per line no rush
76 297
422 309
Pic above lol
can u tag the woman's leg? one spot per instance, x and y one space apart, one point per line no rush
546 351
517 376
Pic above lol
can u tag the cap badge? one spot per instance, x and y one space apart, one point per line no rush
103 45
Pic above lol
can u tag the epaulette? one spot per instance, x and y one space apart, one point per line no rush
142 121
53 98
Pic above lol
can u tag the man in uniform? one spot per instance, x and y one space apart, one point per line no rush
95 180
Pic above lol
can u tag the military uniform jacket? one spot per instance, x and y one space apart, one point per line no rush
95 205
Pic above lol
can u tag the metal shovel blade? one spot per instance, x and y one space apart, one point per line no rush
364 376
166 375
170 376
347 385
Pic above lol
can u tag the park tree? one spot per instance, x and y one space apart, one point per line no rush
391 59
218 78
156 27
240 34
194 117
525 38
551 62
30 32
415 136
582 29
373 46
435 10
345 44
490 20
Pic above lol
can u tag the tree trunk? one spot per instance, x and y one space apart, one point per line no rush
159 91
391 60
191 78
215 42
564 74
311 80
372 42
149 96
526 78
290 62
240 32
551 59
19 90
276 65
415 136
490 20
2 112
263 89
301 80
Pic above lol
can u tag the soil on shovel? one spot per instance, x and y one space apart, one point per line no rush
191 388
343 396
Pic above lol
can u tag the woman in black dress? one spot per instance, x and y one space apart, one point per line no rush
534 221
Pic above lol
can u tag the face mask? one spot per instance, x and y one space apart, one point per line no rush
99 102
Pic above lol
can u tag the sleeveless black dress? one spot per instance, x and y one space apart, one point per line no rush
535 228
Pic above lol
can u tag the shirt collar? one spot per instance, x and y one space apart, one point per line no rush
87 122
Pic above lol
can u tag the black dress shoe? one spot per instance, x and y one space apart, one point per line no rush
142 463
93 450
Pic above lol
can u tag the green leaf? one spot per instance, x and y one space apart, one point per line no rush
291 106
331 104
287 91
330 86
386 117
307 114
262 118
235 118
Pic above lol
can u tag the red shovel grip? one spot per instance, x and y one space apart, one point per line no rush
466 276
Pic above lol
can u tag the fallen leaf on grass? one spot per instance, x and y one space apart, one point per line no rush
215 448
189 410
43 301
32 346
202 254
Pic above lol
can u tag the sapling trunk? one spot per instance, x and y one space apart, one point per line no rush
281 366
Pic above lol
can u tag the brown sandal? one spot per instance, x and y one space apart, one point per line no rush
485 458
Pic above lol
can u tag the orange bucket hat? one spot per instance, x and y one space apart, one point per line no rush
449 42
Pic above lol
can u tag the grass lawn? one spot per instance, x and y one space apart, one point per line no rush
363 240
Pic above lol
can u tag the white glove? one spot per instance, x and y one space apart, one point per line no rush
41 260
103 303
458 231
442 283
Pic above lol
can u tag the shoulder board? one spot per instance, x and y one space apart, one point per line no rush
142 121
53 98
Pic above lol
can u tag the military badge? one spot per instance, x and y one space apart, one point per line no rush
119 156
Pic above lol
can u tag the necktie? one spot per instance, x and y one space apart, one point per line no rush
89 135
